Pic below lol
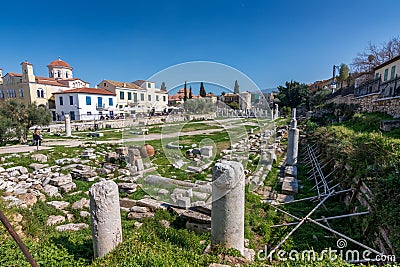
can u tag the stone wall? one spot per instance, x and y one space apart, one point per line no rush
372 103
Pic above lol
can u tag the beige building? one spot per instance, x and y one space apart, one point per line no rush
29 88
388 70
136 97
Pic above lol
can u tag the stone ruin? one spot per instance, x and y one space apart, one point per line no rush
196 160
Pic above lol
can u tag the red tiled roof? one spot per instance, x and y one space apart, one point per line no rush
49 81
15 74
121 84
73 79
59 63
139 82
86 90
174 97
41 80
180 94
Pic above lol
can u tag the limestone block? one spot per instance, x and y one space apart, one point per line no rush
55 219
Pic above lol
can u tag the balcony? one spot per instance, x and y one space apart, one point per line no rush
101 107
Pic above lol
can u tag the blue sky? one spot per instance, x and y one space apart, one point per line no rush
269 41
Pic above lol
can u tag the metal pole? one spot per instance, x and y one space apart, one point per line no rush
18 240
320 219
303 220
315 197
345 237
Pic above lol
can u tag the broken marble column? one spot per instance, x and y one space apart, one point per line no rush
276 113
105 217
293 141
67 125
227 213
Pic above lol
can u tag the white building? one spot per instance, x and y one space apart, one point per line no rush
136 97
29 88
245 101
85 103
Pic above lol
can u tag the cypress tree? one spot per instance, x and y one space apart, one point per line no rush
202 90
236 88
184 93
190 93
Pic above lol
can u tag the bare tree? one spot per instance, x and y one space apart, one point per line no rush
375 55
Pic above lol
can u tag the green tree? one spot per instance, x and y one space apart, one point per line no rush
202 90
185 93
7 132
319 97
236 88
197 106
293 94
343 74
24 116
234 105
190 92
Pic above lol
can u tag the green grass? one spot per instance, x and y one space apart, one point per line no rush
152 244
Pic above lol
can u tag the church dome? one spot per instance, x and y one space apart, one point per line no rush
59 63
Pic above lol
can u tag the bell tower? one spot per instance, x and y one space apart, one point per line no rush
60 70
27 72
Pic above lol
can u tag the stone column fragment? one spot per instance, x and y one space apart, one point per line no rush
67 125
227 213
105 217
293 141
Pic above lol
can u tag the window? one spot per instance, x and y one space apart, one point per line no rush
89 113
148 85
72 115
88 100
110 102
21 92
385 76
121 95
66 75
61 100
392 72
13 93
141 97
164 98
40 93
71 100
129 96
59 74
149 98
377 76
100 102
135 97
105 84
157 98
121 106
